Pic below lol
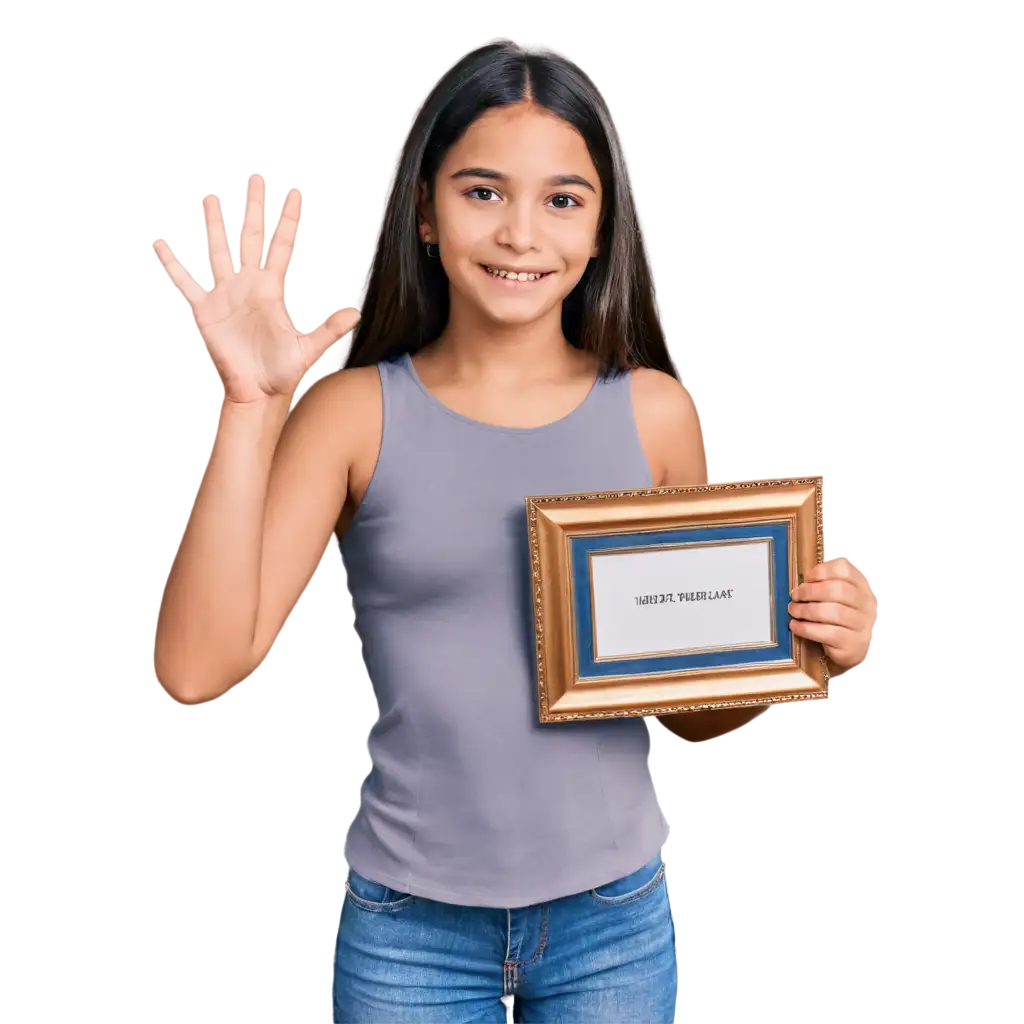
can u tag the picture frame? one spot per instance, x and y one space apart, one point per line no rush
673 599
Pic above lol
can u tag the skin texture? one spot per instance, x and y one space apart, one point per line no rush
837 608
526 221
272 492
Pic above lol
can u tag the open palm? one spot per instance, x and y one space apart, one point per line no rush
256 348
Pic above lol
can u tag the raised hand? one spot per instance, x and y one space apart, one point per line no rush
255 346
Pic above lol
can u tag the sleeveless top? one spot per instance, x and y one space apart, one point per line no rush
470 798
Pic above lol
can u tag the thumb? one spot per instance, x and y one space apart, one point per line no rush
338 323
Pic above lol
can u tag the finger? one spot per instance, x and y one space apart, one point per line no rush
178 274
829 612
337 324
836 568
838 638
840 591
283 242
842 648
220 254
252 227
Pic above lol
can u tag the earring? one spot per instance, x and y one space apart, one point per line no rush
433 255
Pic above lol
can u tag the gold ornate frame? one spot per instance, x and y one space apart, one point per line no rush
554 520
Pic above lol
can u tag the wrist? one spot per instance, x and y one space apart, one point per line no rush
270 407
260 418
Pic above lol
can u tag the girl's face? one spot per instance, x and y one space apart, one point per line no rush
518 192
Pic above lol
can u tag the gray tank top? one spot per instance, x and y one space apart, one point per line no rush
470 799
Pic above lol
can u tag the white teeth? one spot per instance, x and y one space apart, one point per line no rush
512 276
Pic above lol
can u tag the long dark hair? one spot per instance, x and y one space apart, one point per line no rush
611 311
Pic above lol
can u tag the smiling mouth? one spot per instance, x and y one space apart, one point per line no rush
512 279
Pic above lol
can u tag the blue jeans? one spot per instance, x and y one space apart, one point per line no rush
603 955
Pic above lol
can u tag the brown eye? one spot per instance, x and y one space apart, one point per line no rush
563 195
482 188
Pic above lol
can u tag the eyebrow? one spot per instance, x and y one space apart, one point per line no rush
556 179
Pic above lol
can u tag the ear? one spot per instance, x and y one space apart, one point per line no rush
424 214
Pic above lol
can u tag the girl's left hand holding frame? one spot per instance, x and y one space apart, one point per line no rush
835 607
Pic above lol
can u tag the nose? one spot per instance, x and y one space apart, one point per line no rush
518 229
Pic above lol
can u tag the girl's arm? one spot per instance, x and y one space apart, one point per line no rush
270 498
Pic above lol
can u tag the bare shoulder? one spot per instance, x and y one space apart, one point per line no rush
336 408
669 427
346 390
660 396
332 424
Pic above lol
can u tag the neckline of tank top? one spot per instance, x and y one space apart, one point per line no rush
407 362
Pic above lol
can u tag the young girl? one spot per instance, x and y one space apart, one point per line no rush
509 344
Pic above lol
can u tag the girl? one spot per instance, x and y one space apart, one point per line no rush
508 344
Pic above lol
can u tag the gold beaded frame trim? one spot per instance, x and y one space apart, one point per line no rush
554 520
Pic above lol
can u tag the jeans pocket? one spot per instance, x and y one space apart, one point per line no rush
633 886
371 895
